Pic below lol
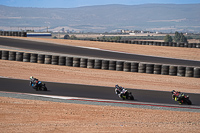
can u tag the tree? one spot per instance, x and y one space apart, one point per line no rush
183 38
168 38
73 37
179 37
66 36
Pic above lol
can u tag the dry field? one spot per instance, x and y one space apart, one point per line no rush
19 115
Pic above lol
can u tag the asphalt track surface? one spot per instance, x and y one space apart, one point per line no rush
96 92
61 49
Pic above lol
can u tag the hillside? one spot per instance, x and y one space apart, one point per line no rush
154 17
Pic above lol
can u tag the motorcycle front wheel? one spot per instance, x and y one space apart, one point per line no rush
188 101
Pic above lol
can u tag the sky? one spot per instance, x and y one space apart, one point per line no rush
80 3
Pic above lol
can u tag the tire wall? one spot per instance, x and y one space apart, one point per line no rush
13 33
168 44
126 66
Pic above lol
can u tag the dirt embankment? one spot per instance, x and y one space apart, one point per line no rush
40 116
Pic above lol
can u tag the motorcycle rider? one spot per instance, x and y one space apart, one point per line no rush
177 95
120 91
33 82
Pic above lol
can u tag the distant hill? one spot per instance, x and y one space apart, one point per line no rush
153 17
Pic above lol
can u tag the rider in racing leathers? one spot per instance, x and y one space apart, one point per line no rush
120 91
177 96
33 82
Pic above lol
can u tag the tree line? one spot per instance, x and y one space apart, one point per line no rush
178 37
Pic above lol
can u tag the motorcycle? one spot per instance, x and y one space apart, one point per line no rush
40 86
127 95
124 94
184 99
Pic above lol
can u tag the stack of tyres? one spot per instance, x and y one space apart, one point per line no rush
142 68
170 44
197 72
159 44
5 55
19 56
0 54
47 59
181 71
194 45
189 72
76 62
69 61
112 65
173 44
90 63
62 61
150 43
41 58
26 57
134 66
173 70
185 45
83 62
190 45
105 64
149 68
127 66
165 70
33 58
119 65
54 60
157 69
12 56
97 64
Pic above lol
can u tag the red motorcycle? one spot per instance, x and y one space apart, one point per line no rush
181 98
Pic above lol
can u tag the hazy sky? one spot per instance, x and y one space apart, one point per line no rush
79 3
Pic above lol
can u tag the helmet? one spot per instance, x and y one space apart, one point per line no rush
116 86
172 91
31 77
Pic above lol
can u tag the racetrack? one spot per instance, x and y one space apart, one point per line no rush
96 92
64 49
24 109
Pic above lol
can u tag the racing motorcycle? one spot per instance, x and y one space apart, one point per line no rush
40 86
127 95
184 99
124 94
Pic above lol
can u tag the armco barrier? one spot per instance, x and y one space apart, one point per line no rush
126 66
